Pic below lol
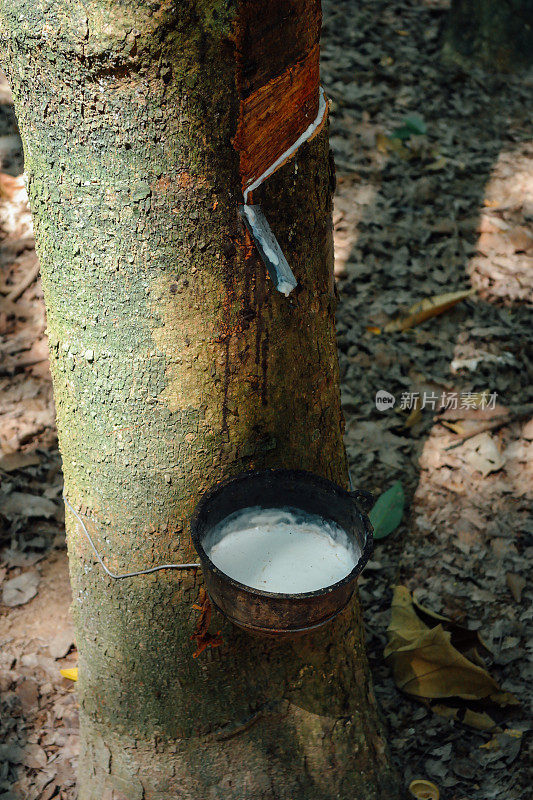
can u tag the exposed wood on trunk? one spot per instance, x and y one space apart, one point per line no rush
271 36
277 79
275 115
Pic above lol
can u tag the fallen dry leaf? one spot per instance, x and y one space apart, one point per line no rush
484 454
491 224
479 720
424 790
21 589
28 693
522 239
479 408
49 791
19 558
501 740
28 505
467 428
516 584
415 414
61 643
34 756
10 187
13 461
426 664
11 753
427 308
463 639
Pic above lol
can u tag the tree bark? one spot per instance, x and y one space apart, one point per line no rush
176 364
496 34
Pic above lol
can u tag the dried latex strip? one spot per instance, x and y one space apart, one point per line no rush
256 222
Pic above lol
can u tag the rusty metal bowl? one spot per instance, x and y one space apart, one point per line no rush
275 613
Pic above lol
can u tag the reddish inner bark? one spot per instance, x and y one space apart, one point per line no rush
277 86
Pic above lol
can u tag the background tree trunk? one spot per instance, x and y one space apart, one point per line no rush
176 364
497 34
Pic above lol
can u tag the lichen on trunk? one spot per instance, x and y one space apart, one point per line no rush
175 365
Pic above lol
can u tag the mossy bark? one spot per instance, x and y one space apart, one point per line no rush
495 34
176 364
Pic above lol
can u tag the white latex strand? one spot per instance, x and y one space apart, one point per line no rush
322 106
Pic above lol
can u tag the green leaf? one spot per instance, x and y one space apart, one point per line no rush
402 133
411 126
416 124
387 512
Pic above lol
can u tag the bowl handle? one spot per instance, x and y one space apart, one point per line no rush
363 498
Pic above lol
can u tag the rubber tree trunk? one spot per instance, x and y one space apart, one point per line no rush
496 34
177 364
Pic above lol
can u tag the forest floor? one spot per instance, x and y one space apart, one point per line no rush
449 208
